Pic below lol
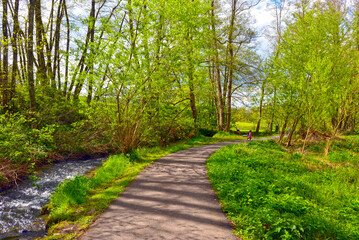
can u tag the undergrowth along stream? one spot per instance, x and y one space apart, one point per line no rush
270 193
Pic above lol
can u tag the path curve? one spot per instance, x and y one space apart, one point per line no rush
171 199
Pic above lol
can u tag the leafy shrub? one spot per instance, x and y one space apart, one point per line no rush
207 132
267 132
20 143
133 156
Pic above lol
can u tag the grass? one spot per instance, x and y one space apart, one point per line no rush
76 203
246 126
269 193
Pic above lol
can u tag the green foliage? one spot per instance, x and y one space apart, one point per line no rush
133 156
207 132
345 151
351 143
343 156
271 194
55 108
113 168
222 134
21 143
246 126
72 193
312 73
89 135
244 117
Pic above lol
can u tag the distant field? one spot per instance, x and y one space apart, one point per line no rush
246 126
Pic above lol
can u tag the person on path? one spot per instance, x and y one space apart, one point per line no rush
238 131
277 128
249 135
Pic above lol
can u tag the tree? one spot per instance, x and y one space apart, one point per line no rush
14 43
5 70
30 56
312 71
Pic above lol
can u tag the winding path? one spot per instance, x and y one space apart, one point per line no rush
170 199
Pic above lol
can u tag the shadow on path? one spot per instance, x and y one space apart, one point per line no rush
170 199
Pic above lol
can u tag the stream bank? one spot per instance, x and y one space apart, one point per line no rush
20 206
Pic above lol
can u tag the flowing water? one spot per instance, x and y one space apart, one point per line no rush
20 207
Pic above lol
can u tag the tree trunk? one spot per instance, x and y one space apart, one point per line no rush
283 130
217 67
230 65
1 75
330 141
261 106
339 118
191 80
352 127
273 110
305 139
67 49
211 74
292 132
5 70
15 71
51 57
92 52
30 56
23 65
81 64
40 45
57 36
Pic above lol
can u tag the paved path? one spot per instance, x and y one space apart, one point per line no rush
170 199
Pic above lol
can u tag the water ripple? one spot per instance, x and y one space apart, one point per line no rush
20 207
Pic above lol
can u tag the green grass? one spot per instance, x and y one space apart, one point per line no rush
269 193
246 126
77 202
75 192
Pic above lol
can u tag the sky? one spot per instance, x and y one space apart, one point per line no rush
264 18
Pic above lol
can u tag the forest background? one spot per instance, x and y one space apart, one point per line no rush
133 73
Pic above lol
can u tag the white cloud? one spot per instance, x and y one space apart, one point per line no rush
264 18
263 14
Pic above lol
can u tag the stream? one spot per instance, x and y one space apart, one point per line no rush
20 206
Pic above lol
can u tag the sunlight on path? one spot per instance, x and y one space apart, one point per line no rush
171 199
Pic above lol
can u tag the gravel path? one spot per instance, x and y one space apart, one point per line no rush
170 199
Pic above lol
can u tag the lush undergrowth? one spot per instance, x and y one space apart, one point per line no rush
75 203
60 131
270 193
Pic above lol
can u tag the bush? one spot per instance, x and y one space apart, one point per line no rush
207 132
133 156
20 143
